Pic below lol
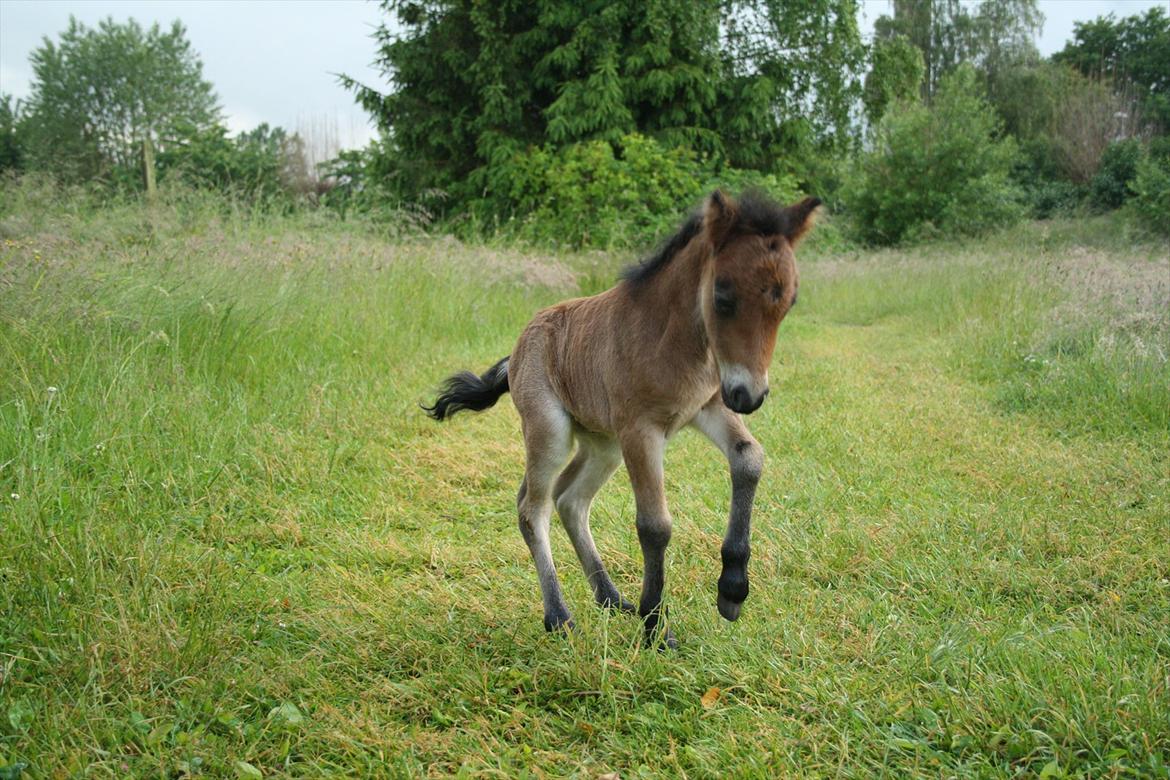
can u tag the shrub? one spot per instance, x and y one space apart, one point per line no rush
11 140
1151 198
1050 197
258 167
594 193
1112 185
940 170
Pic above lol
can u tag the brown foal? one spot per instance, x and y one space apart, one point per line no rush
685 339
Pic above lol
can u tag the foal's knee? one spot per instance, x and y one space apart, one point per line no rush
653 531
747 461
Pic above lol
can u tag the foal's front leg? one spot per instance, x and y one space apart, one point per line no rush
746 458
642 450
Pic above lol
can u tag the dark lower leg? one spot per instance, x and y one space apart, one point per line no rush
642 449
654 536
736 550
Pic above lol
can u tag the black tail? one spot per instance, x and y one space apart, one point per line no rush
465 390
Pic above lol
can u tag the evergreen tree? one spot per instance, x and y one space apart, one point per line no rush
472 85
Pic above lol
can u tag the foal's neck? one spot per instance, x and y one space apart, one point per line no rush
672 306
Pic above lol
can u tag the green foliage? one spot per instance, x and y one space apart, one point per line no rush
476 84
11 142
1134 50
790 80
1047 198
1033 100
98 95
1113 184
895 75
478 88
991 36
258 166
1151 188
941 169
594 193
365 185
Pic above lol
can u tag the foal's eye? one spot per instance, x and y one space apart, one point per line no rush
724 299
776 292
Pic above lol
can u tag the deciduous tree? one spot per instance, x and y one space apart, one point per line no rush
104 99
1133 51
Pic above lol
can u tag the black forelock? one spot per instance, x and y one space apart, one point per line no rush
756 214
759 215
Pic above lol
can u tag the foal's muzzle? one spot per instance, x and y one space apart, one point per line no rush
739 399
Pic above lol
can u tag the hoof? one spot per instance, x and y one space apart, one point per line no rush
609 598
729 609
561 624
662 641
618 605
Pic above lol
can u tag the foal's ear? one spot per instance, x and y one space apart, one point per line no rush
719 215
799 219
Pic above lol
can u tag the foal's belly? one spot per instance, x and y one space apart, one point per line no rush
612 410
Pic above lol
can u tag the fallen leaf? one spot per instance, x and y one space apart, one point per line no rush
710 697
286 715
247 771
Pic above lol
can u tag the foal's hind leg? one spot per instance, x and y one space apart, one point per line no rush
595 462
547 439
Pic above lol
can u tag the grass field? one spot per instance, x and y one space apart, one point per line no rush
231 545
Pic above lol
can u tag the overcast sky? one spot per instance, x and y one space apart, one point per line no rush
273 60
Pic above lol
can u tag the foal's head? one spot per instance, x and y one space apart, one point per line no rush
749 287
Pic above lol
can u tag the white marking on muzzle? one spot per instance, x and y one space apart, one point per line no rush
733 375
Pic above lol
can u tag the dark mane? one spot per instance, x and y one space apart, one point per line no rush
756 214
640 272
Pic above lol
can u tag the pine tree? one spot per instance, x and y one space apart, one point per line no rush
472 85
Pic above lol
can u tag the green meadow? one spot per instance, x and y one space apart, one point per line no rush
231 545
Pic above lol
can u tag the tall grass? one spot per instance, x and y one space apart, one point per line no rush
230 543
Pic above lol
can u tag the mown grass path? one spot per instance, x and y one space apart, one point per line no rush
237 546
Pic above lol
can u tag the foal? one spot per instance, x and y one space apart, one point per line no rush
685 339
